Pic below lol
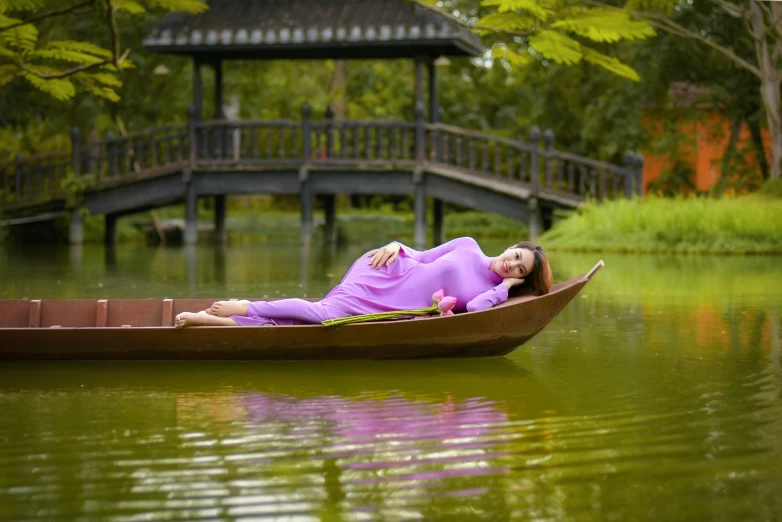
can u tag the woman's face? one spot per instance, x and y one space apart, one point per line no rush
514 262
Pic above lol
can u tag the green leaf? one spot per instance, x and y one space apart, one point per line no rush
106 79
60 88
21 5
508 22
610 63
66 56
512 56
605 25
557 47
85 47
536 8
102 92
131 7
185 6
23 37
7 73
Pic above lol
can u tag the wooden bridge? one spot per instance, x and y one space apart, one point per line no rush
180 163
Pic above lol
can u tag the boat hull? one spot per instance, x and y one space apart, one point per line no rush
139 330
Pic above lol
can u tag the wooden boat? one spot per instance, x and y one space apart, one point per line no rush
140 329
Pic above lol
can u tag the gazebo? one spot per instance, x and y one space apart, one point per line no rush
312 30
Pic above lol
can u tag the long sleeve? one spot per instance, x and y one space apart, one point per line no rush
491 297
427 256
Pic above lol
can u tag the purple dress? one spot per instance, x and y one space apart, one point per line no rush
459 267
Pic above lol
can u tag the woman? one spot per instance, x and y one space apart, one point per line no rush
396 277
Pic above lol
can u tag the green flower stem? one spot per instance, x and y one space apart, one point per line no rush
365 318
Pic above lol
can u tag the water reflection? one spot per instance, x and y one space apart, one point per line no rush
656 394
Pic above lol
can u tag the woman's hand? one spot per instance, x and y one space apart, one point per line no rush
510 282
384 255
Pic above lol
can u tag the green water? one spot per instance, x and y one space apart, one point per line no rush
655 395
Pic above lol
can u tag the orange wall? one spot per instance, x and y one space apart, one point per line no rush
712 134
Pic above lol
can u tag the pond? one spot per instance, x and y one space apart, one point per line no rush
656 394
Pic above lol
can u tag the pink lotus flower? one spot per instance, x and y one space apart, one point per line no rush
438 296
446 304
446 314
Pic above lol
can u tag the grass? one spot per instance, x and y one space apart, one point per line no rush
743 225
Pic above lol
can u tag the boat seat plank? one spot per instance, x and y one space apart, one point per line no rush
70 313
135 312
16 313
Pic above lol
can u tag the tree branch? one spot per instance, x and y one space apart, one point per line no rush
666 24
732 9
672 27
50 14
73 70
114 35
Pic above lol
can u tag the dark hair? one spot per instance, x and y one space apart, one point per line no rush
539 279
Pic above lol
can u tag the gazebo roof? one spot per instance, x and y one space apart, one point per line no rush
312 29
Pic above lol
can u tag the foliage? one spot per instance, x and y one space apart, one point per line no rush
35 44
772 188
561 33
683 224
756 47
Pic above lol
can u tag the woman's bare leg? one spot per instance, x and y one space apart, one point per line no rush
228 308
186 319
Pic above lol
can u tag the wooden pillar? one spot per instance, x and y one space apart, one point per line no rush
110 230
191 210
418 73
330 209
197 87
218 67
220 236
438 206
439 225
76 230
419 235
305 190
533 208
418 173
434 104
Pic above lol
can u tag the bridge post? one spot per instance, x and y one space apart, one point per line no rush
330 208
439 226
191 208
533 208
548 142
220 236
418 175
76 230
630 174
110 230
305 190
639 173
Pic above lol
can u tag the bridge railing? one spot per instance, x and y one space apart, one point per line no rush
253 142
539 169
134 155
35 178
231 144
365 142
479 153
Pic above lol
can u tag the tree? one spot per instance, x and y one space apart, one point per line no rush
762 22
547 30
30 47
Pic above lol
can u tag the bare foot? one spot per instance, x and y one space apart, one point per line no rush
228 308
186 319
